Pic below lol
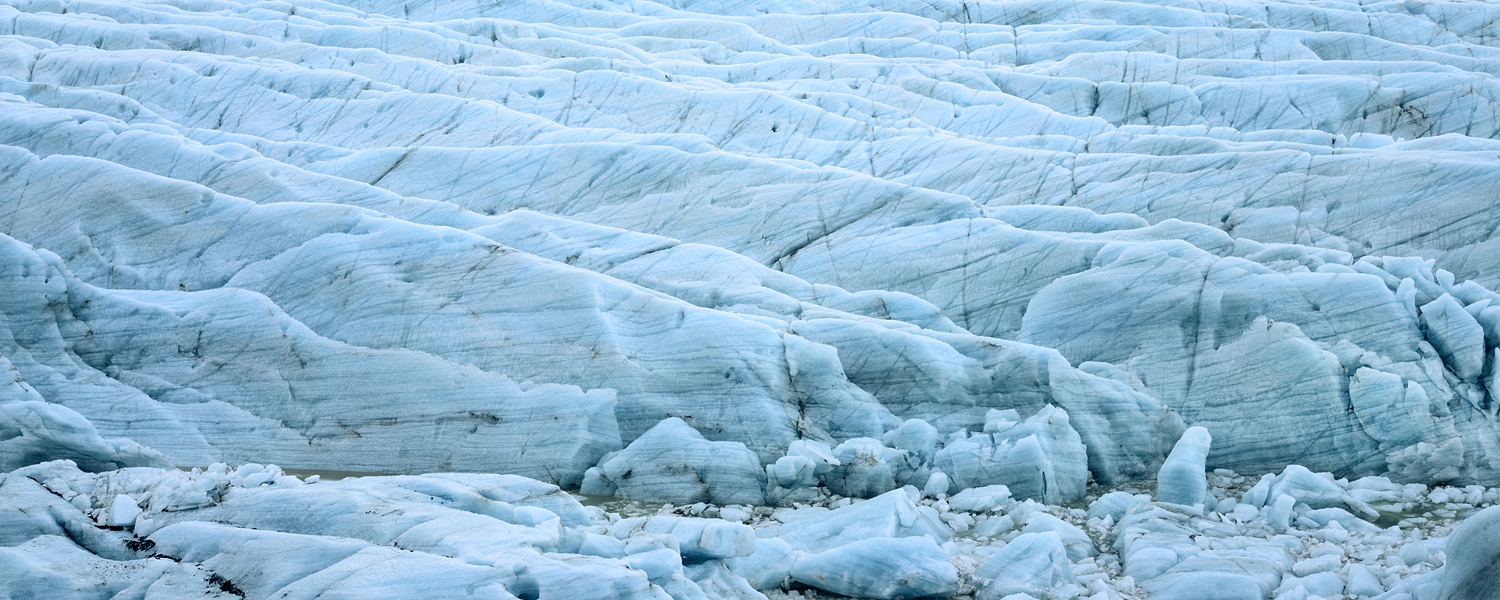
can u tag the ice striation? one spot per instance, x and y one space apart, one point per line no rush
841 297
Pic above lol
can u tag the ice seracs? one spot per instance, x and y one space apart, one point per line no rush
674 463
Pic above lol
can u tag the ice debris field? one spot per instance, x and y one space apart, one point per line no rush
735 300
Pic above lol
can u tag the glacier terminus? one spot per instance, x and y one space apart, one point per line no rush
750 300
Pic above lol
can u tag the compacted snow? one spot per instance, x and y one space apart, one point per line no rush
1024 299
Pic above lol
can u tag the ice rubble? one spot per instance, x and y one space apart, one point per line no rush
254 531
955 258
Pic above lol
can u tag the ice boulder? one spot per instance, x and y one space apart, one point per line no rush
1077 542
1183 479
1041 458
938 484
1115 504
768 567
890 515
697 539
796 476
1456 335
980 499
917 437
1473 550
883 568
865 469
791 479
1033 563
1314 489
672 462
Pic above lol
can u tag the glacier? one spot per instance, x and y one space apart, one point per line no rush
691 299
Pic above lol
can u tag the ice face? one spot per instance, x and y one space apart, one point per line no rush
783 252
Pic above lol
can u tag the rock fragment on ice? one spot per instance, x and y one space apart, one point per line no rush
672 462
1041 458
884 568
1183 479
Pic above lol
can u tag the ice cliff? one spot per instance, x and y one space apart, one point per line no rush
770 252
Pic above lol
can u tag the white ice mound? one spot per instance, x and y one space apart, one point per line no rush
1041 458
674 463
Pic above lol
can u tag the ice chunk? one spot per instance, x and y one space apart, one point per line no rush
1182 479
717 581
1206 585
884 568
890 515
1363 582
865 469
1077 542
937 485
698 539
916 437
33 431
980 499
791 479
1042 458
1033 563
672 462
1473 566
768 567
123 511
1114 504
1456 335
